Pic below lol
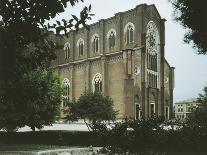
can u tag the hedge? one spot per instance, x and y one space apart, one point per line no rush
176 142
68 138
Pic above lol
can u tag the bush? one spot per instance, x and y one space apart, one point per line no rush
50 138
92 107
130 136
147 135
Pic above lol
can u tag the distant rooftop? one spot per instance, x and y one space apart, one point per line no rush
187 101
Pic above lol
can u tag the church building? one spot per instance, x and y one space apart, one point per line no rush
122 57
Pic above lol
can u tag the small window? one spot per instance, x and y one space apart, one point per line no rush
111 40
129 33
97 83
80 46
67 50
111 36
95 44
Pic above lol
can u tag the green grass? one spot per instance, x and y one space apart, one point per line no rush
30 147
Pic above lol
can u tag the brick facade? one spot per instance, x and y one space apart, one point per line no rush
123 67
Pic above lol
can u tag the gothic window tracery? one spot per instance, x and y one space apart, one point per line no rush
152 47
97 83
80 45
111 36
129 33
67 50
95 43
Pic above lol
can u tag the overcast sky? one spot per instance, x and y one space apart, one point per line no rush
190 68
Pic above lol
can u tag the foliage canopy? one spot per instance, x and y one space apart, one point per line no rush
198 119
192 15
91 106
29 91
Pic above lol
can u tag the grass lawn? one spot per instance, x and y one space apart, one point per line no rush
30 147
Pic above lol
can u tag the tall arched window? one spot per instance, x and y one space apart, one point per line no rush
80 45
152 47
67 50
129 33
95 43
111 38
66 92
97 83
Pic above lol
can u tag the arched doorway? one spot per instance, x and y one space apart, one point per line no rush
137 107
152 103
167 111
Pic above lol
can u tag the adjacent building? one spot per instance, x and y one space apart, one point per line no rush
122 57
184 108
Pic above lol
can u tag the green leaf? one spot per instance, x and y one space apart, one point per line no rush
58 22
75 17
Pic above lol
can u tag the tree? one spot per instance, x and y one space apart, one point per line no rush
91 106
29 91
198 119
192 15
40 93
22 25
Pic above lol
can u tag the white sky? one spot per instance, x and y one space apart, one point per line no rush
190 72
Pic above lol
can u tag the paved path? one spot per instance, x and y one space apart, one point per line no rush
60 126
71 151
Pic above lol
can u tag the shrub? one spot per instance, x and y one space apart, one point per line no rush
50 138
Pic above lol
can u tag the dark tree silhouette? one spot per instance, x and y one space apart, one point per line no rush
92 107
30 93
192 15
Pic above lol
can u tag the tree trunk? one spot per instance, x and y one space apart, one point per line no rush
33 128
88 126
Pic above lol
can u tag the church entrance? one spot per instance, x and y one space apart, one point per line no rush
167 114
152 104
137 107
152 109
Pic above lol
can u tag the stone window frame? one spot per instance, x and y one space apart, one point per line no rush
129 31
111 37
97 83
152 54
95 43
67 50
152 49
66 92
80 46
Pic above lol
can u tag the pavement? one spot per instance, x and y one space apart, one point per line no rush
70 151
59 126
